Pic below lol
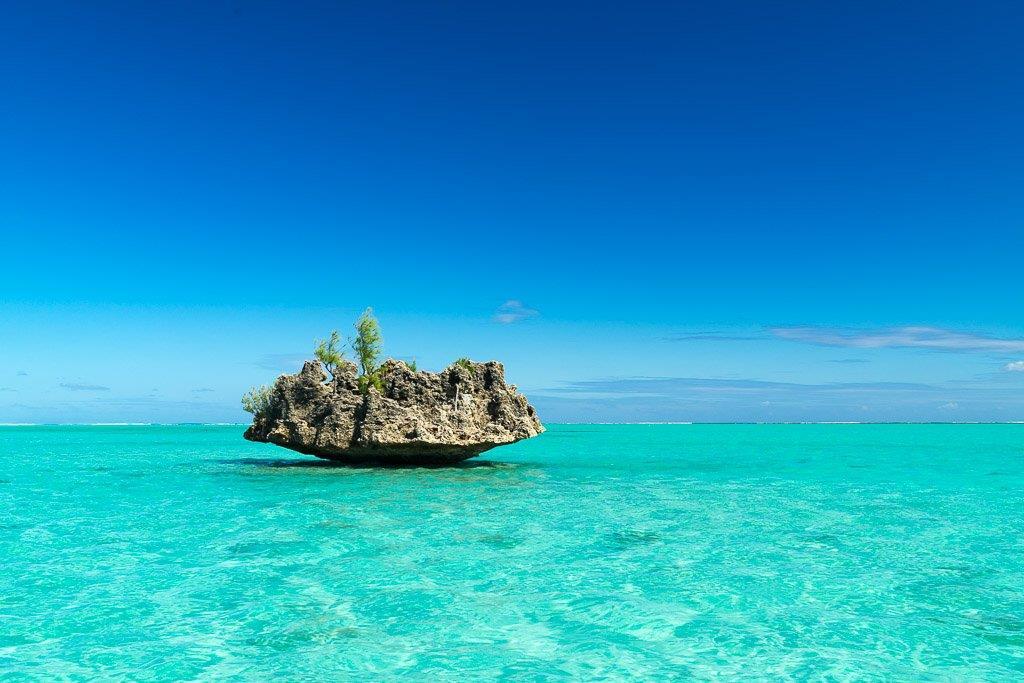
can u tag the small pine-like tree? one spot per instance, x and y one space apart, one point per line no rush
464 362
368 343
412 365
329 352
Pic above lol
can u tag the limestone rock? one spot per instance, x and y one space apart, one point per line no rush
418 418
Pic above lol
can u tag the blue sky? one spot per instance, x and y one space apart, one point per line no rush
648 211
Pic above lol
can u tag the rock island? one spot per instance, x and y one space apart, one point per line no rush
388 412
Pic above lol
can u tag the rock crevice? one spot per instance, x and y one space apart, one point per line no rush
418 417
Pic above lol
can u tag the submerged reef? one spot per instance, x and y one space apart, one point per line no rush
407 417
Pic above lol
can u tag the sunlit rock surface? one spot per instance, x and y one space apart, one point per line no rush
418 418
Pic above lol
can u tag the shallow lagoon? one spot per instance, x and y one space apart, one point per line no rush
594 550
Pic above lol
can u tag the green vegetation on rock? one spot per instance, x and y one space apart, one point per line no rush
367 346
257 400
329 352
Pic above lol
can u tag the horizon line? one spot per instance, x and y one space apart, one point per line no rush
650 423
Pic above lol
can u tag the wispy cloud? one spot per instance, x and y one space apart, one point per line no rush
513 311
282 361
75 386
751 400
714 336
933 338
21 373
849 360
1015 366
7 389
674 386
203 390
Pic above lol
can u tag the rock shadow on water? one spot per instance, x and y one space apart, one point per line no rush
320 464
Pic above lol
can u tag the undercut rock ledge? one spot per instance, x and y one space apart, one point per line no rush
420 418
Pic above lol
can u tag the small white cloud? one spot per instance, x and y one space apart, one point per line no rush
952 405
513 311
77 386
1015 366
932 338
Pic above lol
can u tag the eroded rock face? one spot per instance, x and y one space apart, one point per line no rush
420 417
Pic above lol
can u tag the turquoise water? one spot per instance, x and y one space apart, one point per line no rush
846 551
